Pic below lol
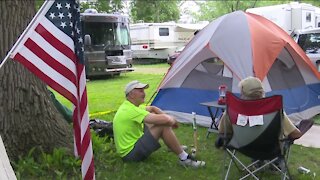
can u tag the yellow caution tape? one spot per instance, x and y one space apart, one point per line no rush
101 113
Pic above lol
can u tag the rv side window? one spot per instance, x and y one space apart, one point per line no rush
308 17
163 31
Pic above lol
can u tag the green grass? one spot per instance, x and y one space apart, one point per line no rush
156 65
163 164
317 119
107 95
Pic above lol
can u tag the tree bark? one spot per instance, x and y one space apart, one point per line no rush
28 117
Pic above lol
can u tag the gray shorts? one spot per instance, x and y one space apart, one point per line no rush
146 145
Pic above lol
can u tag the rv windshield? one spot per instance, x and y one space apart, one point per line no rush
310 43
107 34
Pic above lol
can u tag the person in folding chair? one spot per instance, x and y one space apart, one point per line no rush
257 127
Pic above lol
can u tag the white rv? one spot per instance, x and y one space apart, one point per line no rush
159 40
291 16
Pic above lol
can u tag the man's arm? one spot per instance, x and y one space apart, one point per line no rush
154 109
161 119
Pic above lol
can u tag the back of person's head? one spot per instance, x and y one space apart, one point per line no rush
251 88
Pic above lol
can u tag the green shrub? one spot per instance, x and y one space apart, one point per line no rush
58 165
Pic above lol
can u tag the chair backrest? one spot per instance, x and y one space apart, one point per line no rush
256 125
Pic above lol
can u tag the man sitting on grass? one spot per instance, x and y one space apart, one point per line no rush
138 128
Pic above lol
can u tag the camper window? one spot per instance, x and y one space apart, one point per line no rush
308 16
163 31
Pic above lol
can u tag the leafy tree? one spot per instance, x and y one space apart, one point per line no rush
107 6
155 11
313 2
210 10
85 5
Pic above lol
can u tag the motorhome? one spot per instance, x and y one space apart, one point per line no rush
107 43
291 16
159 40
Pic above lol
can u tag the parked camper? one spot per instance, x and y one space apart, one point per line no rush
309 41
107 43
159 40
291 16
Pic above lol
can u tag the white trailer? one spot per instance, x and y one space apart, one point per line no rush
291 16
159 40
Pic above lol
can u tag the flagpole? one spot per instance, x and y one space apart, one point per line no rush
23 34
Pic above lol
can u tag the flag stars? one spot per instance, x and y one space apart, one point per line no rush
61 15
63 24
52 15
59 6
68 6
80 40
66 17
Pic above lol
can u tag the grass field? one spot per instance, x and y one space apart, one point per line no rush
105 96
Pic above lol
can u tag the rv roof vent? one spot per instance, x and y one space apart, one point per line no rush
93 11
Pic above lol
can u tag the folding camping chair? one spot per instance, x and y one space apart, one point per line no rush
263 142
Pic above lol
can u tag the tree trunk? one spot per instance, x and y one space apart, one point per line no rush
28 117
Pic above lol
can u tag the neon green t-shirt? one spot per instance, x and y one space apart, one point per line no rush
128 126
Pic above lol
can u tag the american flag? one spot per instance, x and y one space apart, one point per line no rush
52 48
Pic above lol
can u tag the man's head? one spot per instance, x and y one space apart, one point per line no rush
134 92
251 88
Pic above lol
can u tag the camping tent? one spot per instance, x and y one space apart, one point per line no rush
231 48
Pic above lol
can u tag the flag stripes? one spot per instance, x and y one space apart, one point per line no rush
48 72
65 49
43 76
50 61
59 56
52 48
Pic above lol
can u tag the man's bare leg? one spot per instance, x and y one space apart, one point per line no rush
167 135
